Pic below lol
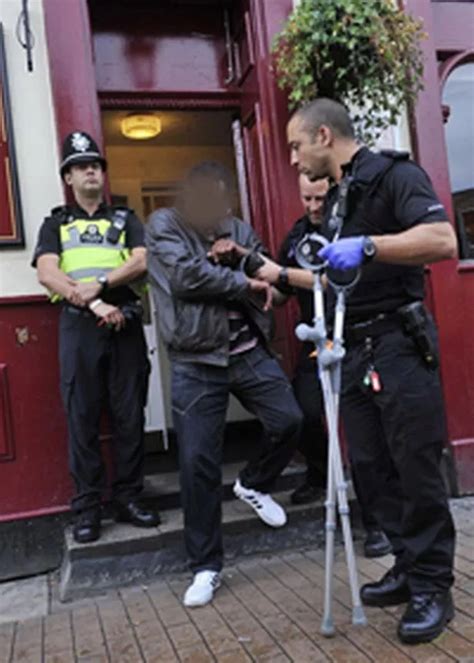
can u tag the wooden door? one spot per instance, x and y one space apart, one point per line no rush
272 185
450 29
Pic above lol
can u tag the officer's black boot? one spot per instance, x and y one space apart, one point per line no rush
87 525
425 617
376 544
135 513
392 589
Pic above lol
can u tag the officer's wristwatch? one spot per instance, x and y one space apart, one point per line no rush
103 282
370 249
283 278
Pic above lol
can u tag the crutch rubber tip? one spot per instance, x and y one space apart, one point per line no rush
358 616
327 627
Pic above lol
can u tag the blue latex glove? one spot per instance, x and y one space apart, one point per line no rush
346 253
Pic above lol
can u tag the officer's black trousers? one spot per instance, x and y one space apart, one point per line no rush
103 368
405 424
313 443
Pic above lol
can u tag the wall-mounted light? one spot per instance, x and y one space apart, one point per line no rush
140 126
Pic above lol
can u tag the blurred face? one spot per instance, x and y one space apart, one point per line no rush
86 179
206 204
310 153
312 196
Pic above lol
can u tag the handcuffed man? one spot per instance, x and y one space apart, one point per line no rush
216 324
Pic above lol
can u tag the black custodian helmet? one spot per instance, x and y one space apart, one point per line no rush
79 147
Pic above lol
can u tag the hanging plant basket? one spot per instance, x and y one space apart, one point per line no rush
364 53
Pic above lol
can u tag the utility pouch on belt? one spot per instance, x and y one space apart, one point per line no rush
119 221
415 324
132 311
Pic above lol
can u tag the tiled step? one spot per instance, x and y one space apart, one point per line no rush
163 489
125 554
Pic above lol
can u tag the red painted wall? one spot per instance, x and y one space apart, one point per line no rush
150 47
34 477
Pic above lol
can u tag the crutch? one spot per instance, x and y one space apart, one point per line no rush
330 356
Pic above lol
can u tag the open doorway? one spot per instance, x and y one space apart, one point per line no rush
145 174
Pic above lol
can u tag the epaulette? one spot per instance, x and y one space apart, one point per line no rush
61 212
396 155
121 208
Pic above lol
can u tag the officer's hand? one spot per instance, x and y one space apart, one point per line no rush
346 253
73 295
262 288
109 315
89 290
269 272
226 252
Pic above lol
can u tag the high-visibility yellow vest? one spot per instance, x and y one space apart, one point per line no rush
86 253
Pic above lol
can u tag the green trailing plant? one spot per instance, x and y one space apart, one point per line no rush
365 53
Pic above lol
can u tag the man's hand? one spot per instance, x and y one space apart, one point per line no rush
226 252
89 290
269 272
262 288
109 315
346 253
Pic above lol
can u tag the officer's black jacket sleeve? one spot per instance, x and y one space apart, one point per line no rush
48 239
135 232
286 259
286 254
413 197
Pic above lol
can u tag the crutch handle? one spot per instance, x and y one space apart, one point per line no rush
305 333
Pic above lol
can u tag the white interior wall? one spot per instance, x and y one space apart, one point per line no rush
132 167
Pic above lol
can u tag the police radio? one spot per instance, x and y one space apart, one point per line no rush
118 223
415 322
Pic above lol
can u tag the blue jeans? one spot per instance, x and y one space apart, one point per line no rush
200 396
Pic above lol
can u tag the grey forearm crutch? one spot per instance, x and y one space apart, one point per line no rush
329 366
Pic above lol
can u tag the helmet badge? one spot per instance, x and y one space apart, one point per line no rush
80 142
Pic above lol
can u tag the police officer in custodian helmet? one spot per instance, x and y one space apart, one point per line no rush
385 218
89 255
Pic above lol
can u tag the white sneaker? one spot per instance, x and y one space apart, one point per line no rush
202 589
265 506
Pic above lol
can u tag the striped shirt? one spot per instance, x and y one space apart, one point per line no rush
241 337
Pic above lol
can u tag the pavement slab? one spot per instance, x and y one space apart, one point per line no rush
268 610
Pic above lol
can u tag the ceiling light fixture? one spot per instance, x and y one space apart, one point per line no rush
140 126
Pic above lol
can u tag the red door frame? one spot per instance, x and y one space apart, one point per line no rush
448 28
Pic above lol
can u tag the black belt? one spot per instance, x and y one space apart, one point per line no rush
75 310
381 324
130 310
